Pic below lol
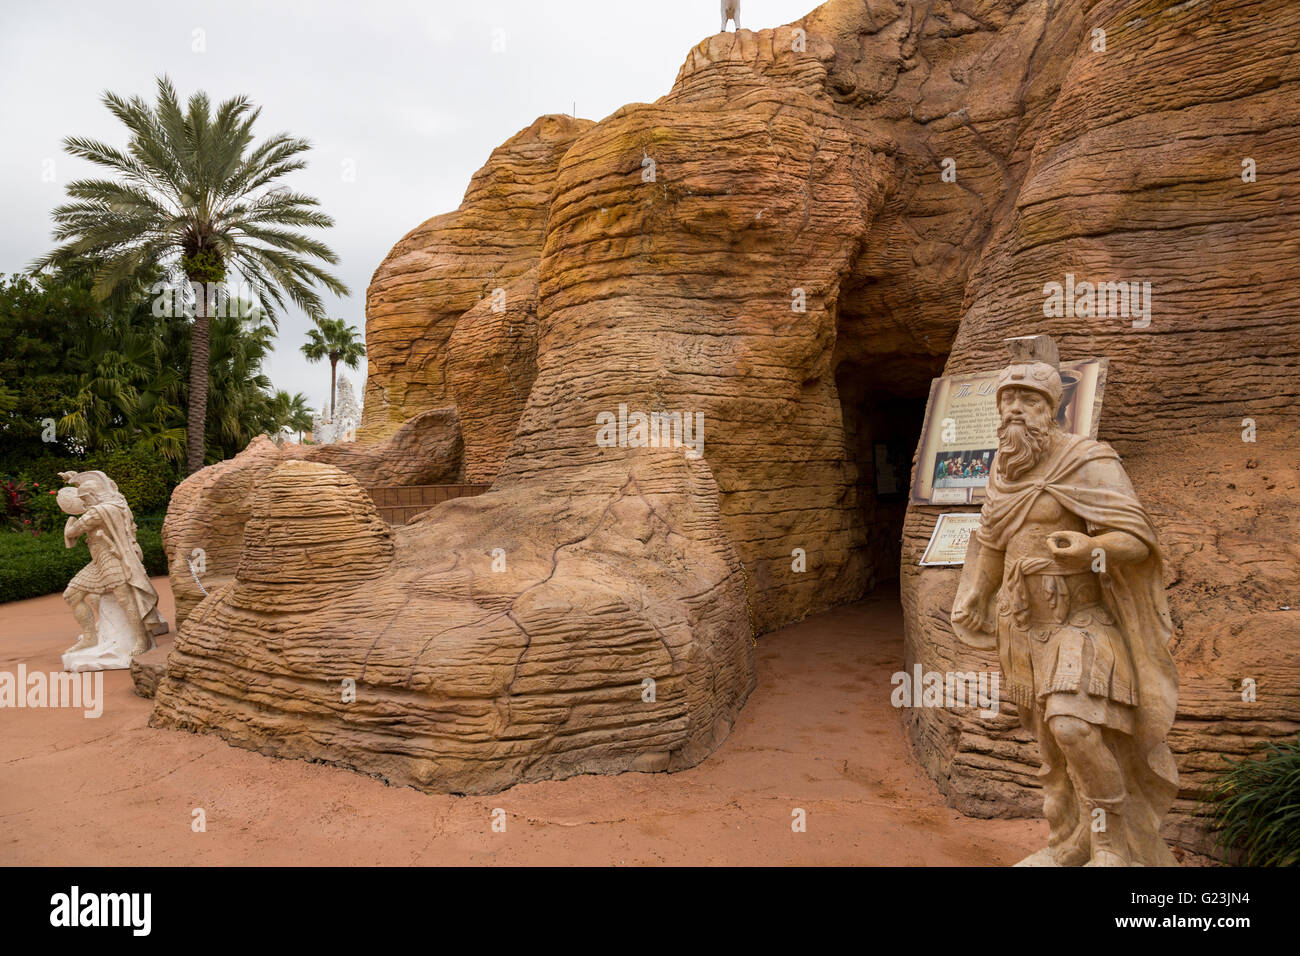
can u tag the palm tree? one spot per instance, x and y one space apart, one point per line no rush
289 412
338 342
300 417
242 392
189 199
126 392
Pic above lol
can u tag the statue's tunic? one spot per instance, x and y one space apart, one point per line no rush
107 569
1059 646
116 560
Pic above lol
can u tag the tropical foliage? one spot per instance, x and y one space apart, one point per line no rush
1255 806
98 377
101 390
337 341
192 198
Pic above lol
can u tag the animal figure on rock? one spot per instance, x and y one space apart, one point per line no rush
730 11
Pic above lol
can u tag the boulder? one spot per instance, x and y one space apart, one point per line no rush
588 626
202 534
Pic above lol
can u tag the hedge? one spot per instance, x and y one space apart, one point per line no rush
32 565
145 481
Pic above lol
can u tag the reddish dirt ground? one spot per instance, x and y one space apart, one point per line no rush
818 733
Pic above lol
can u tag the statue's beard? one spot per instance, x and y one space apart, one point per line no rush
1021 446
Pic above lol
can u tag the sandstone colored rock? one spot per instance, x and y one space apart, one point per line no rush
491 365
1132 170
469 679
806 170
147 670
204 529
426 449
448 265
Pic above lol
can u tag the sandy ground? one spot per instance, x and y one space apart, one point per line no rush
818 733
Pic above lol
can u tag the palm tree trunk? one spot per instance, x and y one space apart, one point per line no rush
200 348
333 366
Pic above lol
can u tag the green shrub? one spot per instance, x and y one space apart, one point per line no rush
1255 806
43 507
32 565
42 470
144 480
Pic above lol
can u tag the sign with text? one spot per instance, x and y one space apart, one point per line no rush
950 537
961 429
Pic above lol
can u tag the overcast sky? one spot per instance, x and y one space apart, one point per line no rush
410 96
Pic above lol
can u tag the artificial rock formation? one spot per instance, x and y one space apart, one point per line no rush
204 530
449 265
1128 165
611 636
813 222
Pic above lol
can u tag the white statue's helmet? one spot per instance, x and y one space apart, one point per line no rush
87 487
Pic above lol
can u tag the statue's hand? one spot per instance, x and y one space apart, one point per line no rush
972 624
970 613
1071 548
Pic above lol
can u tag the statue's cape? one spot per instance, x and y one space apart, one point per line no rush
115 520
1086 477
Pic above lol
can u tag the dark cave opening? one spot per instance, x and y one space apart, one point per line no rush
882 401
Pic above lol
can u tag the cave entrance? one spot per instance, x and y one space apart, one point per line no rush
882 400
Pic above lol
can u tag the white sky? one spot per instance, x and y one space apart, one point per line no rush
411 94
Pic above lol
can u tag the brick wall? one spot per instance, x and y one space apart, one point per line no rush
398 504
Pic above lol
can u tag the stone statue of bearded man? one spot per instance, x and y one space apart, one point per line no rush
1063 577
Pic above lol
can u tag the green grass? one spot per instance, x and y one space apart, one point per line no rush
32 565
1255 806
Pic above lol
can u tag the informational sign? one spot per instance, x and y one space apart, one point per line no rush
951 535
960 435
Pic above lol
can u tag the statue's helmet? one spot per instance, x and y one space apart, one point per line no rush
93 484
1038 376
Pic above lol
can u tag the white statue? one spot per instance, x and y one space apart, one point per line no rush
730 11
347 417
112 597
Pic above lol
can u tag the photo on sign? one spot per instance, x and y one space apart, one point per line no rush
963 469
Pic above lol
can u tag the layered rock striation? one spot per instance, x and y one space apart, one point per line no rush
598 627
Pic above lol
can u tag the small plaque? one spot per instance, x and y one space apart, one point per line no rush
950 496
951 536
